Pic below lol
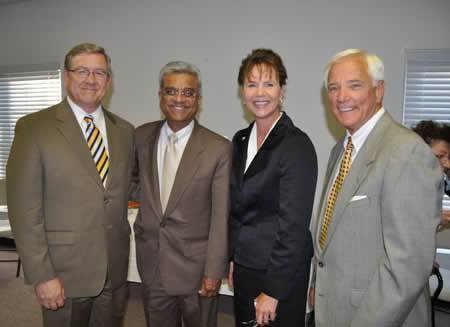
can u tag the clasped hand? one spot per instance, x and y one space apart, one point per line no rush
50 294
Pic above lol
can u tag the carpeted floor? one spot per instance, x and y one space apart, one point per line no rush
19 308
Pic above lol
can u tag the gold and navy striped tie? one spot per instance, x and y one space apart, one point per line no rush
346 163
97 147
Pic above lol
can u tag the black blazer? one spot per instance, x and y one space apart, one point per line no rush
271 205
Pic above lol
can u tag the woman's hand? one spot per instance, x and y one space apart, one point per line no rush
265 307
230 275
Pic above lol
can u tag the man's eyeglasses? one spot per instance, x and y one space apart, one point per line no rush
84 73
172 92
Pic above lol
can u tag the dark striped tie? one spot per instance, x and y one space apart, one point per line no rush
97 147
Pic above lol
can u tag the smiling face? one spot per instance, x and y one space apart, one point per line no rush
262 93
87 92
352 97
181 107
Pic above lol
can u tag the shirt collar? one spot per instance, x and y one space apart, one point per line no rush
360 136
97 114
185 131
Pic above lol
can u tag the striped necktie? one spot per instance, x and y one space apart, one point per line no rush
346 163
97 147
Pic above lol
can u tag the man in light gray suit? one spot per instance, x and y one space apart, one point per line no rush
68 176
374 238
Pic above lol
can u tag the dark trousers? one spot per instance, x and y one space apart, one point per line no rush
164 310
104 310
248 285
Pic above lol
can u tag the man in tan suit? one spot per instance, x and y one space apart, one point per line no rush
181 227
68 175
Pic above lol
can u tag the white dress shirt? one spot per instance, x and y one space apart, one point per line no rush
358 139
99 121
252 148
183 136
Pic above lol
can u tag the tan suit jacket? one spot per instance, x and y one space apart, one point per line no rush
374 268
66 224
189 240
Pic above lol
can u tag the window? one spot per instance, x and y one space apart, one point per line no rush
427 86
24 90
427 97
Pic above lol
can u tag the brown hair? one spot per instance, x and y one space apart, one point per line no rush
263 59
431 131
85 48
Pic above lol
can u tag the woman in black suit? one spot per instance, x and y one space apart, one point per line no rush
273 182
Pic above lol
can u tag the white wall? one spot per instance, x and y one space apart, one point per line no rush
143 35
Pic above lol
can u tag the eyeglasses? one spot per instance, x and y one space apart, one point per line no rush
172 92
83 73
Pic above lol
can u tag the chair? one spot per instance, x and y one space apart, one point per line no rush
438 290
7 243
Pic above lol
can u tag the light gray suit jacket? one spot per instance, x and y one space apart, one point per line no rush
66 224
374 268
189 240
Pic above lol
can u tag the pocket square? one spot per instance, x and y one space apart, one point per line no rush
358 197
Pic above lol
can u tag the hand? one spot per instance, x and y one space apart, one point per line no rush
210 286
230 275
445 217
265 307
50 294
311 296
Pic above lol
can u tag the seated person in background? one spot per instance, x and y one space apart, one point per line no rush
437 136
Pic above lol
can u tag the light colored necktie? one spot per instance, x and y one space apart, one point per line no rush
346 162
169 169
97 147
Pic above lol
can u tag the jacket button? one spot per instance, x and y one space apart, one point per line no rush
321 264
162 224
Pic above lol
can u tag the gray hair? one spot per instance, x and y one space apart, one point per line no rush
374 64
180 67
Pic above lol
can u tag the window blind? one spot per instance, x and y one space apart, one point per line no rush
427 86
427 89
22 93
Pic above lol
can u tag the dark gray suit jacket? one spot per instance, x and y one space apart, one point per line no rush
271 206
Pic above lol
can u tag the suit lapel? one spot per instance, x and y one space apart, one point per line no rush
68 126
150 176
114 145
240 154
189 164
358 172
263 155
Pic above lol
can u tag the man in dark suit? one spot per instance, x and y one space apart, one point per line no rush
375 234
68 176
181 227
